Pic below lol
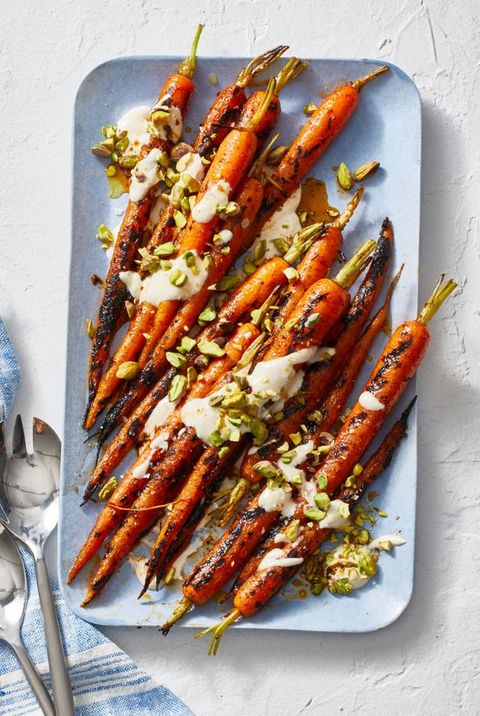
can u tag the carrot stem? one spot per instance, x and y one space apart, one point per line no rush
236 496
349 273
259 165
182 608
289 72
187 66
302 242
347 213
258 65
218 631
263 106
439 295
362 81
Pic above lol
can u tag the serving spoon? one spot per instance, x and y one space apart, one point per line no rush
29 498
13 599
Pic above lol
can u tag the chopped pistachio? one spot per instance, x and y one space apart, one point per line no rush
210 348
342 586
365 171
357 470
191 376
351 481
178 387
165 249
266 469
117 181
130 308
90 328
295 438
322 500
208 314
309 108
108 489
175 359
259 252
322 481
292 530
232 209
248 267
314 514
223 451
180 220
259 431
128 161
187 343
101 150
289 325
178 278
281 245
344 177
238 399
215 399
148 262
213 78
216 438
227 282
303 216
128 370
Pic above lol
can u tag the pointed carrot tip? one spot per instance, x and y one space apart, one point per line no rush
88 598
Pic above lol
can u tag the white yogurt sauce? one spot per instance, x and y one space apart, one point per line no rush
370 402
134 122
157 287
144 175
216 196
173 127
282 225
276 499
141 470
155 212
337 517
159 414
276 558
386 542
191 164
198 414
292 470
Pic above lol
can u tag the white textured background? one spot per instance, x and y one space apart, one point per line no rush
428 661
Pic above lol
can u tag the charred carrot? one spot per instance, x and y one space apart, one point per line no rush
328 300
321 128
397 364
322 375
225 174
250 595
175 94
130 486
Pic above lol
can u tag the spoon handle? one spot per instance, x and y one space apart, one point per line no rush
36 684
62 690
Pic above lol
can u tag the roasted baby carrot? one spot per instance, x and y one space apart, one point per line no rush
130 486
175 94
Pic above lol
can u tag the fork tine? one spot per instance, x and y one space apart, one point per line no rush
45 439
19 448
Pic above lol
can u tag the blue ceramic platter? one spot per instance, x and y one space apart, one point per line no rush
386 127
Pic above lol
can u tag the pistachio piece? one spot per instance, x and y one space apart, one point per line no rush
207 315
322 500
90 328
266 469
366 170
178 278
178 386
108 489
276 155
128 370
210 348
175 359
309 108
344 177
165 249
100 150
180 220
322 481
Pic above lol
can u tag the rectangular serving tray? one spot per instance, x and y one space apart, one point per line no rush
387 128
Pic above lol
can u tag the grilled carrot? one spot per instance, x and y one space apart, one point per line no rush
130 486
250 595
321 128
322 375
397 364
228 169
176 92
343 386
326 298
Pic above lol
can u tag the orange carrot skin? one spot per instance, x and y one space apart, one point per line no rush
397 364
224 111
202 478
128 350
176 92
314 265
158 490
269 119
322 375
316 136
229 553
130 432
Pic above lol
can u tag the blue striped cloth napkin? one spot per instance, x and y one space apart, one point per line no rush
105 681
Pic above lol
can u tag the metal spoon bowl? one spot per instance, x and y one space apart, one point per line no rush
13 599
29 496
